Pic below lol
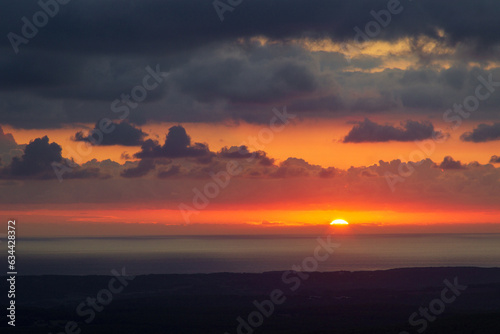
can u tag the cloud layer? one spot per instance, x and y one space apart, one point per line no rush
38 161
297 53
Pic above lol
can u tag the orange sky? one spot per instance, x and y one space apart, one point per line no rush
316 141
235 221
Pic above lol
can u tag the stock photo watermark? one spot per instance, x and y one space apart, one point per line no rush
87 309
221 180
455 116
221 7
122 106
30 28
436 307
11 270
372 29
292 279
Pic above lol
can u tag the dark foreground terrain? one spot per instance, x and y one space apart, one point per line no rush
337 302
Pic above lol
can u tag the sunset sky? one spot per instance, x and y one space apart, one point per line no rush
396 128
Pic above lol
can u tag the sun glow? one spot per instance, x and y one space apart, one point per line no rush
339 222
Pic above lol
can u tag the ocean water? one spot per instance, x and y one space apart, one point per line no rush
252 254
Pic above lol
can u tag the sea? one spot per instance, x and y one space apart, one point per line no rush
251 254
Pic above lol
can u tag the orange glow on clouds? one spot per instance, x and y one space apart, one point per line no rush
315 141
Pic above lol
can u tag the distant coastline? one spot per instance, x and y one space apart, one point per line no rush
252 254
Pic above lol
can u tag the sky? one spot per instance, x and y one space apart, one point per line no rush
214 117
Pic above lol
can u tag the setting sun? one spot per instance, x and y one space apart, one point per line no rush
339 222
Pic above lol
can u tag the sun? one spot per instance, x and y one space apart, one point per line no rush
339 222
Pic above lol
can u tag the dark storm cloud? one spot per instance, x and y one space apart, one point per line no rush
65 75
91 52
454 77
329 103
495 159
450 163
162 26
120 134
368 131
483 133
240 80
422 97
37 70
37 160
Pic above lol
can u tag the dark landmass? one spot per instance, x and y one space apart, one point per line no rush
335 302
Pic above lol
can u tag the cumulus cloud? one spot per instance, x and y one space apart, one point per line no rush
192 162
368 131
474 187
294 167
8 147
6 140
143 168
449 163
37 163
495 159
242 152
37 158
115 134
483 133
177 145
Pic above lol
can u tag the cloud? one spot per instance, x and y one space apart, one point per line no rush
237 79
172 171
177 145
107 167
294 167
368 131
294 181
241 68
8 147
242 152
6 140
483 133
327 173
142 169
193 163
495 159
449 163
118 134
164 26
37 160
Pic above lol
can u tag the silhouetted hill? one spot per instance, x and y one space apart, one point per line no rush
334 302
